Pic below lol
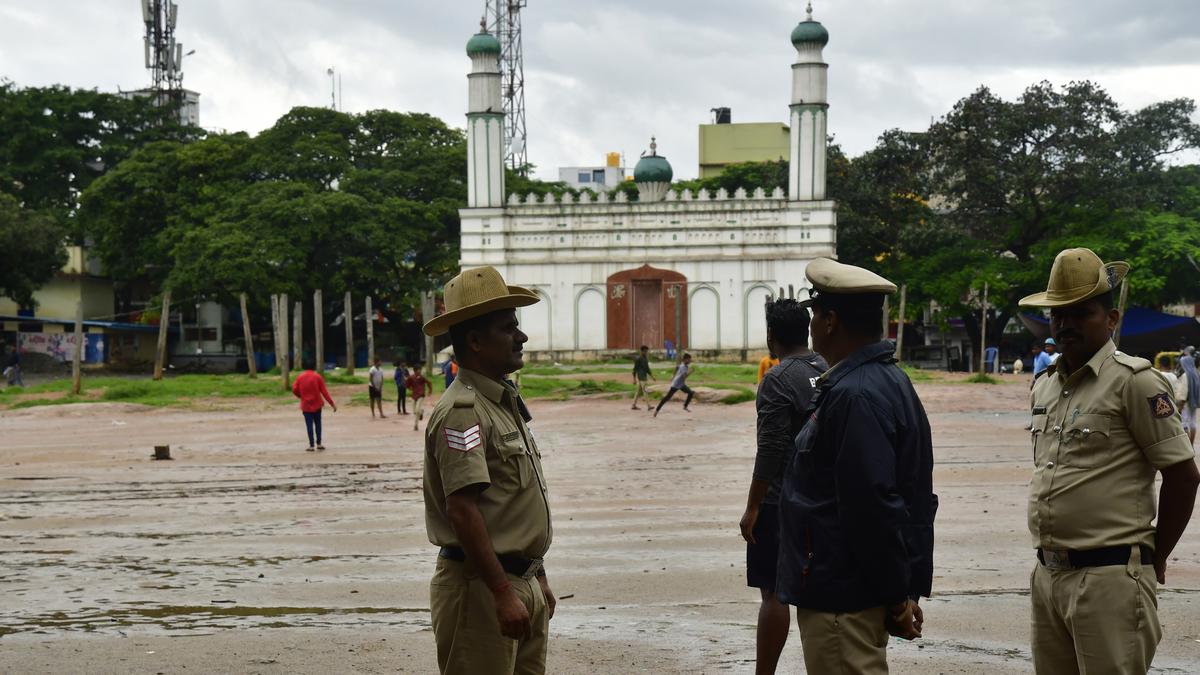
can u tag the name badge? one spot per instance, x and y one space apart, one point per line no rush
511 436
1039 410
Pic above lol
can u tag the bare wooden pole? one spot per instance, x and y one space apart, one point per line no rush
298 336
349 335
887 315
428 309
77 360
319 329
160 351
983 333
370 334
248 335
1121 309
283 342
900 323
275 329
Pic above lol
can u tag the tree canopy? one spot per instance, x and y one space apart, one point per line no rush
31 250
323 199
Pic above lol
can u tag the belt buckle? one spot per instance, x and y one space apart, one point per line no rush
534 565
1057 559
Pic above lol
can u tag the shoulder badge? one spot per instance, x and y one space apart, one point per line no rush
465 440
1161 405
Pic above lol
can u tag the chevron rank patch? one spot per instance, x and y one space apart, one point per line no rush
465 440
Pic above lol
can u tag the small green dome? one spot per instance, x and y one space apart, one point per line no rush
810 31
483 43
653 169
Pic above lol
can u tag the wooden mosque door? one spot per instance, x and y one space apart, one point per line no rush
647 313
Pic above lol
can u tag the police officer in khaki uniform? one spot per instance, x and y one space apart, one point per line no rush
1103 424
485 493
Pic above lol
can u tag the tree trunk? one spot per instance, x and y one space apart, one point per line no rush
251 366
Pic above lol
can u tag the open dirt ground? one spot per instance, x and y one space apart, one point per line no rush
246 554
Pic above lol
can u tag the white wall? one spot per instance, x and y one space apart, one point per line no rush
591 326
704 317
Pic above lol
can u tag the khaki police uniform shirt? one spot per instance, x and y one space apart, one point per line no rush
1099 436
476 436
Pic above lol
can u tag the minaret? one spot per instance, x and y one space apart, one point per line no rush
806 179
485 123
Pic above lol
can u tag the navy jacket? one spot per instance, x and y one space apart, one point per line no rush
857 506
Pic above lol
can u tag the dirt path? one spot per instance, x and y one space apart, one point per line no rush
246 554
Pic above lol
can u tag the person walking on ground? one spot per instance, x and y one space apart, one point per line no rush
450 370
12 369
641 371
783 398
400 374
418 384
1048 355
310 388
679 383
375 389
485 492
765 364
857 505
1187 367
1103 424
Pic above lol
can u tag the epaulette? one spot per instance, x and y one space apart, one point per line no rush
1135 363
464 398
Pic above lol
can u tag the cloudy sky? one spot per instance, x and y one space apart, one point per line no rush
604 75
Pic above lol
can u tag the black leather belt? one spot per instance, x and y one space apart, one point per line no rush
1069 559
513 564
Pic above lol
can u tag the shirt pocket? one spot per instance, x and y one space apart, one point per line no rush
1085 441
515 462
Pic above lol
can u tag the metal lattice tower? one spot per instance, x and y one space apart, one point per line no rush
503 19
164 56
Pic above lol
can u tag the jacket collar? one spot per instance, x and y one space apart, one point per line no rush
880 351
483 384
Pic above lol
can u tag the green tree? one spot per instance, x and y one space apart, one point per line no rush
31 250
57 141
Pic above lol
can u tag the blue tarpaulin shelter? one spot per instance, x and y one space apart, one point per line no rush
1144 332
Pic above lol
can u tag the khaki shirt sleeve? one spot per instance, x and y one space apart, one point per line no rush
460 451
1153 420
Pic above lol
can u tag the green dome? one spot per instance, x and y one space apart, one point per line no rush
809 31
483 43
653 169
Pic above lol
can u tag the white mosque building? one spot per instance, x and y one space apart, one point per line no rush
694 270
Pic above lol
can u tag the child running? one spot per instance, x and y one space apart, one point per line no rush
679 384
417 384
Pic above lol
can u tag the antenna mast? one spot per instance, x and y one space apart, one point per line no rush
504 21
164 56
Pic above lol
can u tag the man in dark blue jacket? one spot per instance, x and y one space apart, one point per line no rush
857 507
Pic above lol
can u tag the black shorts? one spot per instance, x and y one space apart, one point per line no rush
374 393
762 557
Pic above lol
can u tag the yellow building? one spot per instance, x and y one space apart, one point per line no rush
48 328
725 144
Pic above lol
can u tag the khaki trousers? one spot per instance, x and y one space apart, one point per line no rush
841 644
418 410
1095 620
641 393
467 631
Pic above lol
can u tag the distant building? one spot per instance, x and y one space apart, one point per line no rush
725 143
189 106
48 328
693 269
598 178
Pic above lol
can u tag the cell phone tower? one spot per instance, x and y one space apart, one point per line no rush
504 21
164 56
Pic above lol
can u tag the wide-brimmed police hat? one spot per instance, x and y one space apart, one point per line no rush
476 292
1078 274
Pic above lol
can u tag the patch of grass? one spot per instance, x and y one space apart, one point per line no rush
535 387
982 378
916 374
343 378
172 390
743 395
39 402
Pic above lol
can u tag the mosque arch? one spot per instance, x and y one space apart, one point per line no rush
535 322
589 304
754 322
704 318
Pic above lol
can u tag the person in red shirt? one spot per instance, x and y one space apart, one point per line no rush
309 387
417 384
